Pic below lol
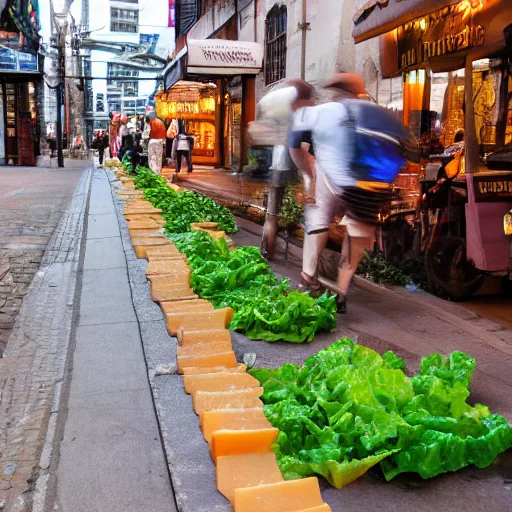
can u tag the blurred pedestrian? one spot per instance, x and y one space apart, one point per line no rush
157 136
342 169
182 148
99 144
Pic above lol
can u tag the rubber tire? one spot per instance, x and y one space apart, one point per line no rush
455 291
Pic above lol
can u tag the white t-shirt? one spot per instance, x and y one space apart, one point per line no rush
183 143
324 121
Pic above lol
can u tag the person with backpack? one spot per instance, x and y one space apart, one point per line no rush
359 149
182 148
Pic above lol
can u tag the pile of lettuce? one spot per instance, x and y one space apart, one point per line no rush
182 208
265 307
348 409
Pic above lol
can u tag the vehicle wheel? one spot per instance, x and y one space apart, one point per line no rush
448 271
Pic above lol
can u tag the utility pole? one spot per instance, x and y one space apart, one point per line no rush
61 46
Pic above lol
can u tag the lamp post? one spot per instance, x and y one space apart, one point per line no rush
60 11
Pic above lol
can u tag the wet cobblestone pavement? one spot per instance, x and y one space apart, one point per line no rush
32 201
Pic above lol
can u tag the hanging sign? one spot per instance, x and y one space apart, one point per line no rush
444 32
222 57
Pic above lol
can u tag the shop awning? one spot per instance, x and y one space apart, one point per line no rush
211 58
376 17
442 39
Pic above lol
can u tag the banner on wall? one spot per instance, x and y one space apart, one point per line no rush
172 14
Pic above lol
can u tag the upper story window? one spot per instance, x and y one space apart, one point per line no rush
124 20
275 64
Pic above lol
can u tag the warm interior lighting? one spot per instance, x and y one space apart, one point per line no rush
423 24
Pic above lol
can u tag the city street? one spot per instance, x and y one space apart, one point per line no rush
113 429
158 353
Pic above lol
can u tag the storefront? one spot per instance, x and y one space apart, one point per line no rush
454 60
198 105
20 82
210 85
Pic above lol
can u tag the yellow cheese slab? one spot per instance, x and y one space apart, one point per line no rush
320 508
287 496
172 293
185 305
216 235
242 442
216 347
164 291
204 225
239 368
145 216
167 267
142 224
233 419
141 245
172 254
187 337
146 233
169 281
219 382
239 399
237 471
212 320
227 359
175 320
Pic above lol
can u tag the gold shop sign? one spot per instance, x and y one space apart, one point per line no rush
447 31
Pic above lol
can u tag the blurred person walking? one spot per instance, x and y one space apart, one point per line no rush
182 148
359 149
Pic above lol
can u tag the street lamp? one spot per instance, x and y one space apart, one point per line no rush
60 11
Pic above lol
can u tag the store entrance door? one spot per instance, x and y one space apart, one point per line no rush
20 116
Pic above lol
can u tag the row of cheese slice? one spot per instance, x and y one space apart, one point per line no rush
225 397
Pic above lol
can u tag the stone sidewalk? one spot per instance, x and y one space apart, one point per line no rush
32 369
108 455
32 200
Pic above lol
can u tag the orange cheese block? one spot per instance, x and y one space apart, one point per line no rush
169 281
186 337
167 267
145 216
239 399
219 382
142 244
143 224
146 233
233 419
321 508
227 359
175 320
185 305
239 368
169 252
204 225
173 293
287 496
210 320
131 209
242 442
216 347
216 235
237 471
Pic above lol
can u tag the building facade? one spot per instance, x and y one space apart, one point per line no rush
129 40
309 39
20 82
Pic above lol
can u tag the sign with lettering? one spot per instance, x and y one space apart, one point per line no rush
443 32
219 57
493 188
